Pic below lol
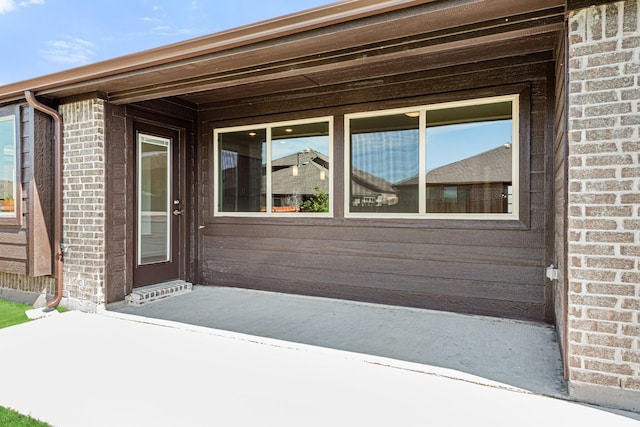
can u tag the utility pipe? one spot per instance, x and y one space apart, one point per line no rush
58 252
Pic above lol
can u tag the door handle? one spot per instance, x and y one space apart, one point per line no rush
177 212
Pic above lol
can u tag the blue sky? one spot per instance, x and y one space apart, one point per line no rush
41 37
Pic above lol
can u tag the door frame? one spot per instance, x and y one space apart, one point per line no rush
147 123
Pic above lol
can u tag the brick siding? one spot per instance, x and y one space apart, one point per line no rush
84 204
604 204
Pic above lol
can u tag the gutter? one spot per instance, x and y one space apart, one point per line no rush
58 247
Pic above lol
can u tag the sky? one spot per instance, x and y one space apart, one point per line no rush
40 37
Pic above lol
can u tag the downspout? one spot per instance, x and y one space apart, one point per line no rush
58 248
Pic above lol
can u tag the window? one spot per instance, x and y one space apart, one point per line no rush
8 167
453 160
275 170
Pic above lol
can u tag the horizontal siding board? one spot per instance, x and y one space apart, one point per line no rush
12 266
13 237
483 238
433 301
383 281
375 268
15 252
384 249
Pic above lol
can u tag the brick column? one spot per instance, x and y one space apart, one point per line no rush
604 204
84 204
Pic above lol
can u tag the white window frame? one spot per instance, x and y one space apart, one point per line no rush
422 184
269 196
13 215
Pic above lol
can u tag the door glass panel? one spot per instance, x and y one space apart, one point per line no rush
154 199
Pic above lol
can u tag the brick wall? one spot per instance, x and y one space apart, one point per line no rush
604 204
84 204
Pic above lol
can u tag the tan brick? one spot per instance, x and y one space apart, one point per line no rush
630 173
631 383
631 146
575 337
581 249
575 236
630 277
575 261
575 362
609 185
594 301
574 163
595 199
595 275
610 237
631 224
593 352
610 315
631 250
576 287
610 289
631 304
632 356
595 378
610 368
631 330
611 263
609 341
576 211
590 148
633 198
594 326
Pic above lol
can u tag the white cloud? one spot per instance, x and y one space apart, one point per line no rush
71 51
7 6
10 5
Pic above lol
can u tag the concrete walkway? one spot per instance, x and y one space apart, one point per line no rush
525 355
96 370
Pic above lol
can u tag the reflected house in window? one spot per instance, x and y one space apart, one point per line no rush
370 191
477 184
297 177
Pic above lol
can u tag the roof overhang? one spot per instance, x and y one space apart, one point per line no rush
328 45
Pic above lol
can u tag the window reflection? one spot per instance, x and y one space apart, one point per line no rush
275 169
7 166
469 159
242 159
300 168
384 162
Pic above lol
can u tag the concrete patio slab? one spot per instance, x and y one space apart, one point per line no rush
524 355
98 370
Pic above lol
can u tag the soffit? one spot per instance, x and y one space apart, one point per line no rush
374 45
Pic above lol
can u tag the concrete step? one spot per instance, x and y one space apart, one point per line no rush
150 293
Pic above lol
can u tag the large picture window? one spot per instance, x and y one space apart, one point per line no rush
8 167
277 169
453 160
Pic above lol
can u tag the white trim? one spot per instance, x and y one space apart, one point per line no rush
269 198
423 109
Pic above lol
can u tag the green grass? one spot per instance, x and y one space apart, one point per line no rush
12 313
11 418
